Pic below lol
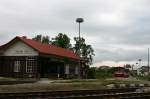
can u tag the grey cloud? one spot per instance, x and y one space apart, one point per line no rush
107 23
120 55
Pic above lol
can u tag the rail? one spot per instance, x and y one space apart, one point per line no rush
123 93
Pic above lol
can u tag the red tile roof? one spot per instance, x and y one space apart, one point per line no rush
48 49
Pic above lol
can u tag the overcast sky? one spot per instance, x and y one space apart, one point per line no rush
118 30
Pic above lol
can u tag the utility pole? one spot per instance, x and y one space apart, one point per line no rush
148 62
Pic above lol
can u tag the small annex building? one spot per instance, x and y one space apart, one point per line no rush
26 58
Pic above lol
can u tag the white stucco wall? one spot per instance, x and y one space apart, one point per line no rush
20 49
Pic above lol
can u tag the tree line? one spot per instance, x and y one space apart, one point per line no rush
81 48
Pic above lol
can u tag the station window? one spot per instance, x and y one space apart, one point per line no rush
30 62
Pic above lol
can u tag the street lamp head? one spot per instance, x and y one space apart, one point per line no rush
79 20
140 59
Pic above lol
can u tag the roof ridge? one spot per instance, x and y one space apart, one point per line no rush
49 48
46 44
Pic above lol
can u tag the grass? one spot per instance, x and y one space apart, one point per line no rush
15 79
49 87
7 79
147 78
55 85
100 82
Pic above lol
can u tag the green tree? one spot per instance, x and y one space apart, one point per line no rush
127 66
101 73
91 73
62 40
86 51
78 44
38 38
42 39
45 40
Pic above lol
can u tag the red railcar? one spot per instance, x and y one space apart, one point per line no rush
121 74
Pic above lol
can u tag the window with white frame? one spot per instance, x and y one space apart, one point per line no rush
30 62
17 66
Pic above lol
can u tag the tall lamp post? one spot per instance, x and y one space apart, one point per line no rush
79 20
137 68
140 62
136 65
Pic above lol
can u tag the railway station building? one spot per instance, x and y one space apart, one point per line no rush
25 58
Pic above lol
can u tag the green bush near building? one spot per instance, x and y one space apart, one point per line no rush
146 77
96 73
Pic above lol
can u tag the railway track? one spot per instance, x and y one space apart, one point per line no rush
119 93
127 95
